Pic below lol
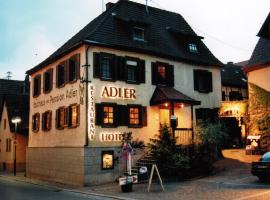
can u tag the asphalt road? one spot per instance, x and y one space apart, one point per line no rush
14 190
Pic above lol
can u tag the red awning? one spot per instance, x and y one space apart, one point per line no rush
164 94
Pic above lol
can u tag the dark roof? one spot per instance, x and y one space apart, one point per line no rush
233 75
261 53
265 29
18 105
11 87
167 35
169 94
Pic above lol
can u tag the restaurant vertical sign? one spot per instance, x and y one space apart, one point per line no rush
91 112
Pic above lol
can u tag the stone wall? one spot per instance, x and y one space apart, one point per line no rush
62 165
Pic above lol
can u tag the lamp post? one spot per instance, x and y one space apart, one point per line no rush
15 120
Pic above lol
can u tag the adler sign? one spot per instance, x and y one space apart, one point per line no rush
118 93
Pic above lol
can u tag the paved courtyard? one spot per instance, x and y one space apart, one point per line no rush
231 181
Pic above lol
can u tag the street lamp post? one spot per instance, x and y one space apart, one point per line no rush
15 120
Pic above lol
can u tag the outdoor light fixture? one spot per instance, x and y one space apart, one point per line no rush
15 120
166 104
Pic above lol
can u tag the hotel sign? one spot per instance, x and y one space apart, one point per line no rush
111 137
91 112
113 92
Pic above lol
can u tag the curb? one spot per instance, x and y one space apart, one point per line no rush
64 189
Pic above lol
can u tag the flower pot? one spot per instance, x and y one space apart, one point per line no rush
126 187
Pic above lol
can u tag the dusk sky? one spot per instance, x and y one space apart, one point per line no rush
31 30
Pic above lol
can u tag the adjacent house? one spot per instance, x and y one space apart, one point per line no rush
233 110
258 73
131 69
14 102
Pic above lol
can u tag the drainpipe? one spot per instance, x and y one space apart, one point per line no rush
86 80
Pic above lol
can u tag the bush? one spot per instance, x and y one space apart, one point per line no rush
171 159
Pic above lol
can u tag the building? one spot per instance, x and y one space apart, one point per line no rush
258 72
129 70
233 110
14 101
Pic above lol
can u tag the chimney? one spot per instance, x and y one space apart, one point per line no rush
109 5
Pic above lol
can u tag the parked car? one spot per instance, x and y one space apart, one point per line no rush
261 169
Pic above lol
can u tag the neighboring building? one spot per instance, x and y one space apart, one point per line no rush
14 101
129 70
258 73
233 111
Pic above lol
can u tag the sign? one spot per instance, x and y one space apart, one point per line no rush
112 92
128 179
69 94
91 111
111 137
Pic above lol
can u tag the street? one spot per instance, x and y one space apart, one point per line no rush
14 190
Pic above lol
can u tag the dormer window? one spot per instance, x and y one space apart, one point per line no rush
193 48
138 34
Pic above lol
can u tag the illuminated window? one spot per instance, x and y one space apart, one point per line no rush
106 71
161 73
47 121
193 48
35 122
73 111
107 160
108 115
134 116
60 118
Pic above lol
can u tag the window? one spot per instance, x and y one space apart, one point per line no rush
162 74
5 124
132 67
47 121
135 116
193 48
8 145
35 122
138 34
235 96
202 81
106 69
61 118
223 96
61 74
107 160
74 68
206 114
112 115
48 80
108 115
73 115
37 86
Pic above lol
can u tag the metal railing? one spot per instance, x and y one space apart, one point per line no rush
184 136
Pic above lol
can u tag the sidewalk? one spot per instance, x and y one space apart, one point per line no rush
234 159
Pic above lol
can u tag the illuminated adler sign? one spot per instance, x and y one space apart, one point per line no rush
118 93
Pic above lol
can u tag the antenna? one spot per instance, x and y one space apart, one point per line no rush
146 6
102 5
8 75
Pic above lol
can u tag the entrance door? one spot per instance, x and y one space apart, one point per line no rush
164 116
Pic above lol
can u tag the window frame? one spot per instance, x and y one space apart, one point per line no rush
110 58
139 107
44 120
76 59
36 122
50 72
57 118
200 76
136 69
193 48
37 88
134 35
69 116
64 67
110 152
113 124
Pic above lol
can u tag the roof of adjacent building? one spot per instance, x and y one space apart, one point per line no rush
18 105
167 35
163 94
261 54
233 75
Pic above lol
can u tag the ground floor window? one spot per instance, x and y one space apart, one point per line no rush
107 158
35 122
73 115
47 120
60 118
